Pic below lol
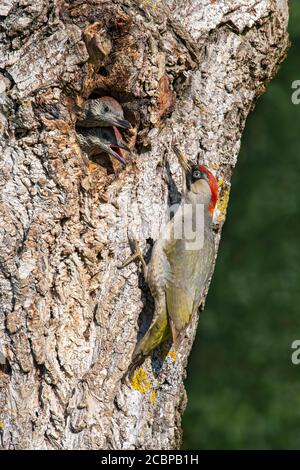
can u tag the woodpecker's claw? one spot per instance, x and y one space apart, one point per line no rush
137 254
129 374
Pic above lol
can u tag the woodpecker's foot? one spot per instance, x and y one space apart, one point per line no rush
137 254
126 379
136 362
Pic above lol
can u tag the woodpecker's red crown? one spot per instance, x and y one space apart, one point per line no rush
113 103
213 184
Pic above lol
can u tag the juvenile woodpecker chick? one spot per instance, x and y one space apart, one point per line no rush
102 139
97 127
102 112
181 262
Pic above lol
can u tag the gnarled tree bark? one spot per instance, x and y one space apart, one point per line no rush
189 70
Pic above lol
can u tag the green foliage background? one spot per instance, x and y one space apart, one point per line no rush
243 390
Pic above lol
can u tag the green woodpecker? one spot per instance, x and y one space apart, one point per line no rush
181 262
102 139
97 127
102 112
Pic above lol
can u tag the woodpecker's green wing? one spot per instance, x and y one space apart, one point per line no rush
180 286
188 274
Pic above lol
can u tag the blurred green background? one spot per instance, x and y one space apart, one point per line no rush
243 390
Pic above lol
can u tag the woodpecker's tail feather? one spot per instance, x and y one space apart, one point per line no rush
175 335
158 334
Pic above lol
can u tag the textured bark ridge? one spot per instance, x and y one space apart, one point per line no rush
189 70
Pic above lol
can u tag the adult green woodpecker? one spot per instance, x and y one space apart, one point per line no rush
181 262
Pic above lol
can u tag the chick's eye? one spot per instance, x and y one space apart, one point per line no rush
197 174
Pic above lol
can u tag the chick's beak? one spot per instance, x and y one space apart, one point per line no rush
107 149
118 122
123 146
118 140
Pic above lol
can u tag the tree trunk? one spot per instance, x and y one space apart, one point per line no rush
184 70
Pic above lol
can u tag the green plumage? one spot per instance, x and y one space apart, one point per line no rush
178 271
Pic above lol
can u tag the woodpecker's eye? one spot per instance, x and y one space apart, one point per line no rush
106 109
197 174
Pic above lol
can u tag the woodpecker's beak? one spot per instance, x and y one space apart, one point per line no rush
182 159
185 165
118 140
113 120
122 145
107 149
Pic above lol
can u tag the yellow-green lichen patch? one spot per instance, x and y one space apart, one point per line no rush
222 205
202 109
92 166
150 4
173 355
152 397
220 182
25 104
1 426
140 381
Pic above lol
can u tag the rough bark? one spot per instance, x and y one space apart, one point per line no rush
189 70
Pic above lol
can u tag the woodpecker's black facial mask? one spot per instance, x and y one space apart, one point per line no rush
194 174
